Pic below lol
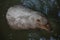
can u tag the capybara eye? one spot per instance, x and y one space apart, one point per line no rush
38 20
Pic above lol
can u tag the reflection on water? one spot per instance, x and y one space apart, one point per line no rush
33 36
10 36
42 38
51 38
59 13
29 35
36 36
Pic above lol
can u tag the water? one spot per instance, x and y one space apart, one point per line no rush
8 34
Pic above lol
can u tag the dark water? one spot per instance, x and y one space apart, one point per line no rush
8 34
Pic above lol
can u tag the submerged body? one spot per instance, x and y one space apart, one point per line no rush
19 17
